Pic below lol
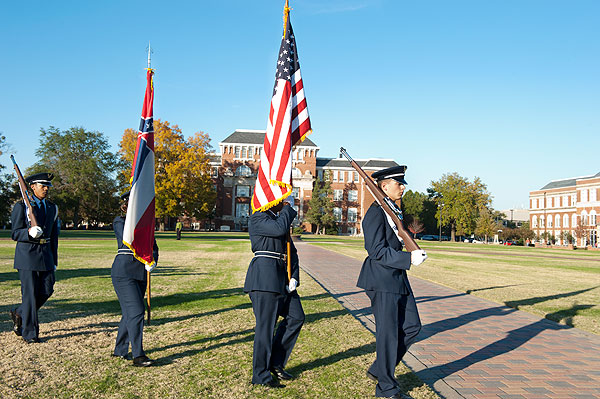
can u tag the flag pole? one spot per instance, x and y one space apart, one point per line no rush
286 14
148 286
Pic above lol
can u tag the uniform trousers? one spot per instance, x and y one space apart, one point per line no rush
274 350
131 298
36 288
397 326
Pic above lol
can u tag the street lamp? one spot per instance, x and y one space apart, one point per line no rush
441 206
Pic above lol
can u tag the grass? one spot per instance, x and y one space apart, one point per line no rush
201 333
560 285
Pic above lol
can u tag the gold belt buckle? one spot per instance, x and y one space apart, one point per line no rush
43 241
284 257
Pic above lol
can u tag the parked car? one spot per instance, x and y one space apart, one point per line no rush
510 242
429 237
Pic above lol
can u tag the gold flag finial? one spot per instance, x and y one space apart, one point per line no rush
286 14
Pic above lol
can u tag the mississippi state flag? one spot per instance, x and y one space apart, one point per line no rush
139 222
288 125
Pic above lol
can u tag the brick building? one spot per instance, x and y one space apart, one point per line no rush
234 170
567 206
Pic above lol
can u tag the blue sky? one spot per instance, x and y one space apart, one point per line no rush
504 90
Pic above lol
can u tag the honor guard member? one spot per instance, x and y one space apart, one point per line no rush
129 280
383 276
36 255
271 295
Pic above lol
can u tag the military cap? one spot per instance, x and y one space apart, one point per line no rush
41 178
125 195
395 172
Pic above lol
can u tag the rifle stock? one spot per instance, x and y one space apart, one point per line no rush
386 204
23 188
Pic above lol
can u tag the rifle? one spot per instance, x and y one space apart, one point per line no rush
386 204
24 194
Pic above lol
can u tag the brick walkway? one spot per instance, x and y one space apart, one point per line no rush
473 348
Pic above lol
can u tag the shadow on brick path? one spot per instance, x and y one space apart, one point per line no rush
474 348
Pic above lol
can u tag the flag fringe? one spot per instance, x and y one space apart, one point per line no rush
270 204
304 136
135 255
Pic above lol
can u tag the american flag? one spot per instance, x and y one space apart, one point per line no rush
138 233
288 125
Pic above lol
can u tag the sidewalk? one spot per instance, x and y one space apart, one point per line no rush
473 348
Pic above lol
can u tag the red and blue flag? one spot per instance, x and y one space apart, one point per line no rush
138 234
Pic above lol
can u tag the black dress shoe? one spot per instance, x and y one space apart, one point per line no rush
281 373
124 357
32 340
400 395
142 361
271 384
371 376
17 321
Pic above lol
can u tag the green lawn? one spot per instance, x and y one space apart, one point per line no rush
201 334
561 285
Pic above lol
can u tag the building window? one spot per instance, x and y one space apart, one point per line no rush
242 191
557 221
574 221
335 175
355 177
300 155
296 192
534 221
593 195
342 175
251 152
592 218
237 152
337 214
584 195
320 174
549 221
542 224
352 195
338 195
214 171
242 210
352 231
296 172
243 171
352 215
244 152
565 220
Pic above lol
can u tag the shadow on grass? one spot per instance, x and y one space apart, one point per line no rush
334 358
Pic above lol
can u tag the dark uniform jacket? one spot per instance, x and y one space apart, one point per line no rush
31 254
385 267
268 232
125 264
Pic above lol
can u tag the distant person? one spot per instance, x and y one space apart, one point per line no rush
36 256
178 228
271 295
383 276
129 281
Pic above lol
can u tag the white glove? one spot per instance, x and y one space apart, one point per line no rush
417 257
36 232
54 267
151 267
291 287
289 200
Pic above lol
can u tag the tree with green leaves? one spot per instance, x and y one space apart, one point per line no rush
486 225
182 171
459 202
7 192
320 206
417 207
85 184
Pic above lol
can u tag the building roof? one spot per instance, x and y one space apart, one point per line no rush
257 137
363 163
214 158
571 182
